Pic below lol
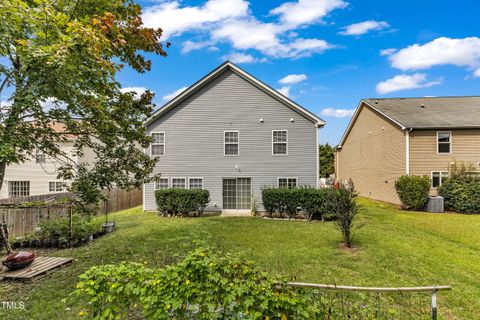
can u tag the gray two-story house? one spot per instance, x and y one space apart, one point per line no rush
232 134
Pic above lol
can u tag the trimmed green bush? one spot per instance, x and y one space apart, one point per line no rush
173 202
413 191
462 194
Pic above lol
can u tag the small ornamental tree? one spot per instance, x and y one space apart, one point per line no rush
59 61
413 191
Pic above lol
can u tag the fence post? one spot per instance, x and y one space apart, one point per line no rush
70 226
434 305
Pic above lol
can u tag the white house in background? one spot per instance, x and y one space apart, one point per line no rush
232 134
38 175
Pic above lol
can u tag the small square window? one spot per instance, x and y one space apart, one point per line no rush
195 183
161 184
56 186
439 177
40 158
287 183
178 183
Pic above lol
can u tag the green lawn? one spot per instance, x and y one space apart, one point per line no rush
394 248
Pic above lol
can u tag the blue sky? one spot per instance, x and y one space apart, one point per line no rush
335 52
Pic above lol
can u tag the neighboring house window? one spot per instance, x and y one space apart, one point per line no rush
178 183
56 186
18 188
444 142
158 144
438 177
279 142
195 183
287 182
231 140
40 158
161 184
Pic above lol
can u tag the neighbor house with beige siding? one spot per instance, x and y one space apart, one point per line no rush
388 138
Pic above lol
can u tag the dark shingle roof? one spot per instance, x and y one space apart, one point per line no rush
437 112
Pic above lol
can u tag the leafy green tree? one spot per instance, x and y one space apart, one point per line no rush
58 63
326 160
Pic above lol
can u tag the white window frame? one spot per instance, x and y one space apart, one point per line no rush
64 186
184 178
441 178
286 143
278 181
40 154
10 188
164 144
225 144
189 178
450 143
155 187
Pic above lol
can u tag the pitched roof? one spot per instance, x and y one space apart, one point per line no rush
423 113
243 74
431 112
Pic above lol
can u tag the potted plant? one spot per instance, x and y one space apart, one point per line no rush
108 226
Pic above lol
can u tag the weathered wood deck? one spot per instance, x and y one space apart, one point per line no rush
41 267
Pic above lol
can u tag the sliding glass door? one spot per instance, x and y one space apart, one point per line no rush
237 193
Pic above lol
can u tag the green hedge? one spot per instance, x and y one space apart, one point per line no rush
462 194
181 201
413 191
287 201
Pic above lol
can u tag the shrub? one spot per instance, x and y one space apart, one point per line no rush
205 285
181 201
462 194
58 229
413 191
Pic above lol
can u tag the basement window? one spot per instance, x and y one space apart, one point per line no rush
438 177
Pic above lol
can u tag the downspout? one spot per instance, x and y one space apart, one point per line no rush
407 151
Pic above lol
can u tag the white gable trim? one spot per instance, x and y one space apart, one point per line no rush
229 65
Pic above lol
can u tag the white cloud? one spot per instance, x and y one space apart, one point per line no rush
297 13
238 57
337 113
387 52
174 19
477 73
293 78
360 28
173 94
441 51
285 90
231 21
138 90
404 82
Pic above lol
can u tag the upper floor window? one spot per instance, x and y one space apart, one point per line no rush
279 142
195 183
230 143
438 177
158 144
18 188
287 182
40 157
56 186
161 184
178 183
444 142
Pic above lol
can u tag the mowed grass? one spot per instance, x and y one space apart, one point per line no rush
393 248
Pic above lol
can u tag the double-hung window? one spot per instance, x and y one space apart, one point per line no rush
161 184
18 188
444 142
438 177
56 186
279 142
158 144
178 183
287 183
195 183
40 157
231 143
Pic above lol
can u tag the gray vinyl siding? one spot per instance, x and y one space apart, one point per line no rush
194 139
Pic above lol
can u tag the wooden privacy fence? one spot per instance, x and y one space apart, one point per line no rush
351 314
21 221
